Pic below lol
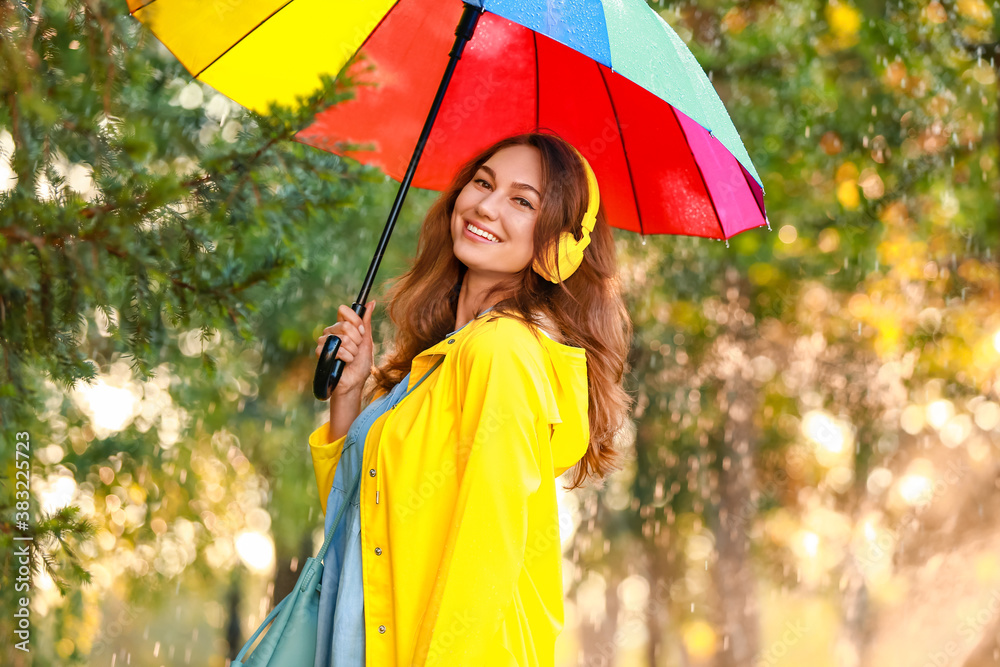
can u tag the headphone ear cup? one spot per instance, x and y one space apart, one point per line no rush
562 257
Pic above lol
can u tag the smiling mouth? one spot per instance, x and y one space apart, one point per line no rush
475 231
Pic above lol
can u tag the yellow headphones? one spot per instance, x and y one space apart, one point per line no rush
567 255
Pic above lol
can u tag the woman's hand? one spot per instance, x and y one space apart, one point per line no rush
356 347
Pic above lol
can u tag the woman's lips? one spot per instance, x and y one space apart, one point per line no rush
476 237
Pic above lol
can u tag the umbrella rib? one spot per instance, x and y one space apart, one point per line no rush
700 174
234 44
132 13
628 165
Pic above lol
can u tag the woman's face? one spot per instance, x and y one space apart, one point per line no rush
503 199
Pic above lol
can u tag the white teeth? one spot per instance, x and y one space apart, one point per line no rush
479 232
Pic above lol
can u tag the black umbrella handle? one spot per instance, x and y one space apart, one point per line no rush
329 369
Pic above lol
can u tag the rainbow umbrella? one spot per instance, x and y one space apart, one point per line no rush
609 76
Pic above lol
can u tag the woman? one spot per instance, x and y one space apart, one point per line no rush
450 552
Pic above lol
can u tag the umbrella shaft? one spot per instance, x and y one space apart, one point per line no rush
463 33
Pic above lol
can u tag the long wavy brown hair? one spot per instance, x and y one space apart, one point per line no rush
587 307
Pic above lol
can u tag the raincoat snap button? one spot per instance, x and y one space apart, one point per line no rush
372 472
450 341
381 629
378 551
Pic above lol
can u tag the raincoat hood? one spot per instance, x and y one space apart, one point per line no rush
567 397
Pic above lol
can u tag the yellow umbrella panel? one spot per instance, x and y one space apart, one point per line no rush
275 50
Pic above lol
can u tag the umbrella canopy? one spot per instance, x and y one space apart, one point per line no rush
611 77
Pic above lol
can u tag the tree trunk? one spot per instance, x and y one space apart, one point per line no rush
599 647
234 635
658 617
854 629
733 573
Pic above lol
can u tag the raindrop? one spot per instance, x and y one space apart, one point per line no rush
859 328
644 239
876 264
727 243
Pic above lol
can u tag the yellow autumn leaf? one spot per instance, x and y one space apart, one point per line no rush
844 20
975 10
888 335
734 21
848 171
699 638
847 194
934 13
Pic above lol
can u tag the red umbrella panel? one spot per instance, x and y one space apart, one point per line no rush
660 171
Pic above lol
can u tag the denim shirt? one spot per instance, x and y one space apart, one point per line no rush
340 635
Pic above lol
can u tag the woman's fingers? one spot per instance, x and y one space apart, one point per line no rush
366 327
353 331
349 316
347 350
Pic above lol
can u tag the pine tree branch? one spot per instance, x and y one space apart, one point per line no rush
61 241
91 211
29 52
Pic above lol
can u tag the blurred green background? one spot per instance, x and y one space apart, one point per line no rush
813 475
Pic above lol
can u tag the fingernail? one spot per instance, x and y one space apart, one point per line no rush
362 328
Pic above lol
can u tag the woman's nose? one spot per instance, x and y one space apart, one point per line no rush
487 206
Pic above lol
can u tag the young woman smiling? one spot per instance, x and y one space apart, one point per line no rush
451 553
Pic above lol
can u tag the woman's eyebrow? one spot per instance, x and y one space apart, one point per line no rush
516 186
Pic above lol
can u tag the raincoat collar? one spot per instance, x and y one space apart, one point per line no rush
424 360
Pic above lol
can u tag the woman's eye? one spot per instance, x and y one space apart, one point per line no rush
520 200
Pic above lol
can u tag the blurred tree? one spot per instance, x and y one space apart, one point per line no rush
166 262
870 124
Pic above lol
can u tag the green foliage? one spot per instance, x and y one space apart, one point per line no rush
160 230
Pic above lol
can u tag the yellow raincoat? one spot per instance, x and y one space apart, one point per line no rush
461 551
